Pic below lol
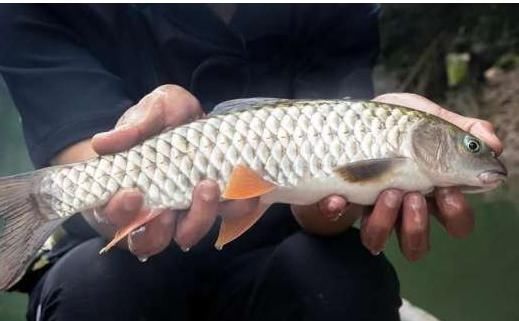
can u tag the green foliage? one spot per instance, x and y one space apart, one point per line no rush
467 280
12 306
416 39
457 68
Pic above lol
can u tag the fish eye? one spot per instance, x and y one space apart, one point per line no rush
472 144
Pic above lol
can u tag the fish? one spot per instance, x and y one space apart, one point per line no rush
278 150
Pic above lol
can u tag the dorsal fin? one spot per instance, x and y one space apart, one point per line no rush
244 104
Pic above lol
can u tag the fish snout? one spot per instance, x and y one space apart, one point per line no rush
493 177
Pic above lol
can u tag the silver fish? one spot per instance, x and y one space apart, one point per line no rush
289 151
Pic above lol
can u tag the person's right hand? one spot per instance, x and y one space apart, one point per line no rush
167 106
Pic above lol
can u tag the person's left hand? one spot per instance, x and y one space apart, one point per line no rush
408 213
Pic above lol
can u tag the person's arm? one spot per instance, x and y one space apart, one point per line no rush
65 95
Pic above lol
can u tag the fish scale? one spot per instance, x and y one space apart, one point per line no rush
286 143
282 151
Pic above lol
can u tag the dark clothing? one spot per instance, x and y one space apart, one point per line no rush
301 278
73 70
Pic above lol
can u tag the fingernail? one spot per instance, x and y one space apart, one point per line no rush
207 196
479 130
142 259
368 241
375 253
207 191
416 201
131 117
101 135
133 236
337 216
98 217
333 206
185 249
120 128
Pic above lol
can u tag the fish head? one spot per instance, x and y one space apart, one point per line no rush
453 157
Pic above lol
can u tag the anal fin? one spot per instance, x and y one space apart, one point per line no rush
233 226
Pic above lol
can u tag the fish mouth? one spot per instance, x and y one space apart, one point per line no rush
489 180
493 177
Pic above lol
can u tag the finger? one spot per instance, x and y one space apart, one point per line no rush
333 207
153 237
123 207
377 226
166 106
477 127
454 212
485 131
238 207
414 228
201 216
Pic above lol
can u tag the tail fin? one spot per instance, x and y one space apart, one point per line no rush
25 224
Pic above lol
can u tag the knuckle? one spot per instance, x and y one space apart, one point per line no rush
168 94
392 199
416 203
378 228
209 190
249 206
169 90
415 232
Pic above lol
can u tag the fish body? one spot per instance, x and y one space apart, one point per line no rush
289 151
289 144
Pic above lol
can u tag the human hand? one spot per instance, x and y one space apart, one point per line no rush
167 106
407 213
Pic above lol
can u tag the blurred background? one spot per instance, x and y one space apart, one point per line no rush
466 57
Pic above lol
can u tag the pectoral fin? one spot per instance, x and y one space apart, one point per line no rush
143 218
245 183
370 170
233 226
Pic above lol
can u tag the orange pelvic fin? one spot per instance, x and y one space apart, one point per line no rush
233 226
144 217
245 183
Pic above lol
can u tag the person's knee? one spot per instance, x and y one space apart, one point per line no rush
335 275
84 268
341 254
84 285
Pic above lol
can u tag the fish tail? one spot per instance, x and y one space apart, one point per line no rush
25 223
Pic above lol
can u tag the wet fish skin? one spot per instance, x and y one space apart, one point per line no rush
287 142
298 150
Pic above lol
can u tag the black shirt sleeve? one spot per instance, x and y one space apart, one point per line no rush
339 51
62 92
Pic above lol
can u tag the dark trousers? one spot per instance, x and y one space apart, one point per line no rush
300 278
